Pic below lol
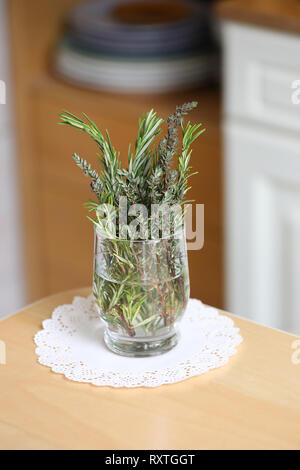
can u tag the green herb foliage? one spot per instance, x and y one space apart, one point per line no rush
140 288
156 174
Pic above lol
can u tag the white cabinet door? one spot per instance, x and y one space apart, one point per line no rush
12 285
260 68
262 174
262 220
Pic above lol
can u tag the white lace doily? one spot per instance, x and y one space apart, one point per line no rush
71 343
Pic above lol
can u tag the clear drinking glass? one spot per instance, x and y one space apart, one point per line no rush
141 289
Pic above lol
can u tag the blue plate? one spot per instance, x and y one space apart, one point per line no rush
99 19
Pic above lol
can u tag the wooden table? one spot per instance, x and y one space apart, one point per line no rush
252 402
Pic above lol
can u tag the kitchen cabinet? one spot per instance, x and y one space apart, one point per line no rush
12 295
261 125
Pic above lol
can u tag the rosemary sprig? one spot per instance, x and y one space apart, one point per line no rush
156 174
149 178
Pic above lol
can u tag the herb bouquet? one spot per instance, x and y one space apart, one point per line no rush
141 281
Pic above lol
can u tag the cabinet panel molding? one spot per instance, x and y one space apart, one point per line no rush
262 172
260 69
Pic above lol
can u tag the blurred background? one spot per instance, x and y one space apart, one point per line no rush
114 60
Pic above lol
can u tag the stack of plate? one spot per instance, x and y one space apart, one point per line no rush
137 45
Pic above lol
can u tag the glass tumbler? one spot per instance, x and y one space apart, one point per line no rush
141 289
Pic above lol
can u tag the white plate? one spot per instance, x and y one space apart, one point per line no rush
139 77
144 67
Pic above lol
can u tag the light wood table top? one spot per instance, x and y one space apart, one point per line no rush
253 402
